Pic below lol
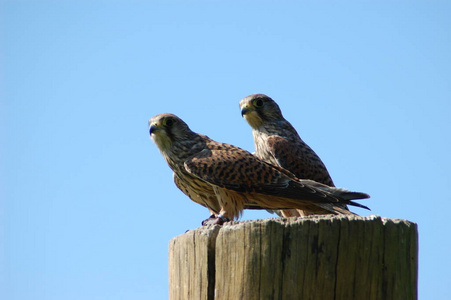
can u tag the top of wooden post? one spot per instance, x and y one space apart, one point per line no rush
315 257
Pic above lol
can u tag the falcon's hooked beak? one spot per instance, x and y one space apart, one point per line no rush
250 114
159 135
153 128
246 110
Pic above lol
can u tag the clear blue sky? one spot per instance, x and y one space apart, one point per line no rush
88 205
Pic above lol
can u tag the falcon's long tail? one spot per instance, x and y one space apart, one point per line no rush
342 195
347 196
308 195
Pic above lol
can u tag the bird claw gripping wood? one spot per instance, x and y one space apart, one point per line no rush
213 220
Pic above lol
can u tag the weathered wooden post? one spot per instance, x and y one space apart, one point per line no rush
321 257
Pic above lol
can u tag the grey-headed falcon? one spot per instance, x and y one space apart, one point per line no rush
277 142
227 179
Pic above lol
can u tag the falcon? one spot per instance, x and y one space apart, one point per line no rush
277 142
227 179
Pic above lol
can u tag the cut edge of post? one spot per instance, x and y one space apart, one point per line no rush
207 237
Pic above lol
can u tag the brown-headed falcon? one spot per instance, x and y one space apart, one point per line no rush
227 179
278 143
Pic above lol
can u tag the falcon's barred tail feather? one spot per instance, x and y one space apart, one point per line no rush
348 196
358 205
353 195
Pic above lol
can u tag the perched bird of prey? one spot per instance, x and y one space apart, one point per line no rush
227 179
277 142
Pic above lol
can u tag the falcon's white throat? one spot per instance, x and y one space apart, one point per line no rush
253 119
162 140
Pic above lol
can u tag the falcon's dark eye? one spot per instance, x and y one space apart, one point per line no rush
258 103
169 122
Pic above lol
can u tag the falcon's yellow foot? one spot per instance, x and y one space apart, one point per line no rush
213 220
207 221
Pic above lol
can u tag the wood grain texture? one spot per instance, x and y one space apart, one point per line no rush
191 264
318 257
